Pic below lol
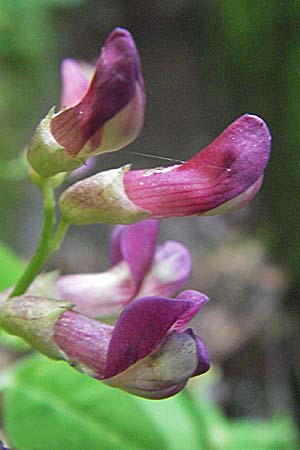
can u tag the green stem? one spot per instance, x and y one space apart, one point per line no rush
58 236
47 244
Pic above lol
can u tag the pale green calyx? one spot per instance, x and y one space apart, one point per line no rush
46 156
100 199
33 319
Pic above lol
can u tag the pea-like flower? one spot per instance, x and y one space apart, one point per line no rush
139 268
147 353
224 176
101 110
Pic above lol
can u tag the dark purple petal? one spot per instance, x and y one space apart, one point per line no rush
136 245
141 328
171 267
111 89
165 370
203 356
229 166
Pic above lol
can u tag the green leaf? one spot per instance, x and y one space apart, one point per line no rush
11 267
51 406
14 342
222 433
174 418
277 433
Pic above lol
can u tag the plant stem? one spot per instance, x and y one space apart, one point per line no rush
47 244
58 236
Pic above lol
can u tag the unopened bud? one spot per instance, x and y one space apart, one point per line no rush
33 319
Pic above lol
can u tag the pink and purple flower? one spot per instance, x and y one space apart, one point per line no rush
225 175
147 353
139 268
102 109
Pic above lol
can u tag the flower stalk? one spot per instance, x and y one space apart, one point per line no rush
49 241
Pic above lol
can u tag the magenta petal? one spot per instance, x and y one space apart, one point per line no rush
229 166
111 89
180 356
136 245
84 341
197 300
141 328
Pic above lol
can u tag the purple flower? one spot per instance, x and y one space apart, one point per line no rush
102 109
116 85
139 268
147 353
224 176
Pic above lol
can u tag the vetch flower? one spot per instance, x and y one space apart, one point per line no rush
99 115
224 176
139 268
147 353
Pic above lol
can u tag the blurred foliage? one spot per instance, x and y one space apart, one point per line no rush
10 267
49 405
262 48
27 65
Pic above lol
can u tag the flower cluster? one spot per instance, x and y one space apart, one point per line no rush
148 351
139 268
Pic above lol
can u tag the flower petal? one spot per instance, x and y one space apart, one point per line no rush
203 356
74 83
171 267
141 328
84 341
98 294
229 166
237 202
197 299
136 245
116 80
228 172
165 371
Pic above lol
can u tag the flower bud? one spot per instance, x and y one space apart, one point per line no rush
101 115
46 156
148 352
100 198
226 175
33 319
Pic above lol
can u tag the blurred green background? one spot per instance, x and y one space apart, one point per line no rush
204 63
